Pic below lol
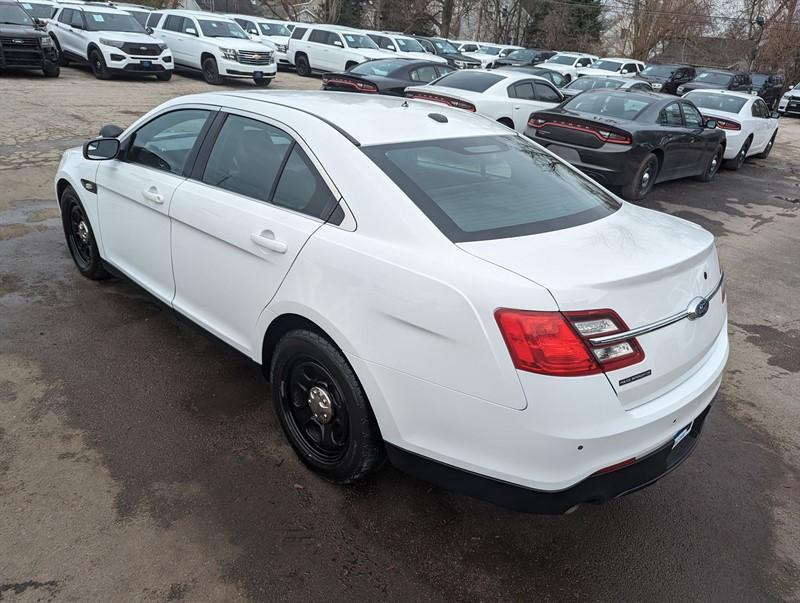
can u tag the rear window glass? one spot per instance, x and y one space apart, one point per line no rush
491 187
717 102
382 67
474 81
620 106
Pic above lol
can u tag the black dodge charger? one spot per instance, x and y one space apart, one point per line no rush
630 140
385 76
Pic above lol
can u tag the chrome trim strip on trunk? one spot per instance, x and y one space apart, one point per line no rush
659 324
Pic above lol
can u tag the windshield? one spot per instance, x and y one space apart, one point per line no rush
492 50
522 55
609 104
381 67
112 22
12 14
443 46
471 80
590 83
717 102
658 71
37 11
607 65
358 41
562 59
139 15
222 29
491 187
408 45
758 79
274 29
711 77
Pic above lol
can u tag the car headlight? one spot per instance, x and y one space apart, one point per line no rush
229 53
281 47
680 89
46 42
461 64
114 43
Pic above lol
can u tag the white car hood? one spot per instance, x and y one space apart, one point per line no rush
125 36
282 40
238 44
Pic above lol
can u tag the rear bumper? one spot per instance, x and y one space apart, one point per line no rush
595 489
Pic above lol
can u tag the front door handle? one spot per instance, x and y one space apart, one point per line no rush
152 195
267 240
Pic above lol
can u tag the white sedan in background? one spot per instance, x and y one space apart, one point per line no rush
613 66
418 283
504 96
750 127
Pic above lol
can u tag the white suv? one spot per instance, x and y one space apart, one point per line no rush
215 45
404 46
330 48
267 31
110 40
568 63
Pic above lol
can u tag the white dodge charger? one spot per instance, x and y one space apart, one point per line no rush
418 282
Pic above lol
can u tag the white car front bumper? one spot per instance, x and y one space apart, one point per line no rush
119 61
228 68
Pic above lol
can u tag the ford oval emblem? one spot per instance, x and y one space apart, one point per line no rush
697 308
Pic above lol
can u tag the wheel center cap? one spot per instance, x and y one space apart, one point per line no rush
83 232
321 404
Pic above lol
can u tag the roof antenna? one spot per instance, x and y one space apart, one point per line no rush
405 104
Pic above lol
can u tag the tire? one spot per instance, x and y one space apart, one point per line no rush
765 153
80 237
644 179
211 72
713 165
63 61
164 76
52 70
302 66
98 65
738 161
309 375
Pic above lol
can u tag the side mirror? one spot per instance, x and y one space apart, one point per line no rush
623 72
390 47
191 31
711 124
111 131
775 115
338 43
149 31
38 22
101 149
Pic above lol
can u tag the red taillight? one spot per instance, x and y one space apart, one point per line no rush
725 124
615 466
552 343
355 84
603 134
444 100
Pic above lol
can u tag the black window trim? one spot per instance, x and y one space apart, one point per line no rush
210 138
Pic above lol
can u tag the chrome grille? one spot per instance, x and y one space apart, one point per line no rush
249 57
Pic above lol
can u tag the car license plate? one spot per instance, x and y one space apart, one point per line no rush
682 434
147 64
566 153
258 74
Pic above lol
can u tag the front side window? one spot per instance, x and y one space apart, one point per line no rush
692 116
65 16
112 22
77 19
153 19
173 23
299 32
247 157
319 36
166 142
491 187
221 29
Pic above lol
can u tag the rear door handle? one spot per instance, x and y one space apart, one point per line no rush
267 240
152 195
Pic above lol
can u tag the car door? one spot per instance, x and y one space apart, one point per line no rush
699 144
172 33
762 131
135 191
526 101
675 142
253 201
63 29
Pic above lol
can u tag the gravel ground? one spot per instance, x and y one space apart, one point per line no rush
140 458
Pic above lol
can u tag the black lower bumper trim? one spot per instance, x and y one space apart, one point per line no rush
595 489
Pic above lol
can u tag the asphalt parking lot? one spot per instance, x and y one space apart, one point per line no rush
140 458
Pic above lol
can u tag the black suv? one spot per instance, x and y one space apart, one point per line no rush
717 79
768 86
524 57
444 49
667 78
23 43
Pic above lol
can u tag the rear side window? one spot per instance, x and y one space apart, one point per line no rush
298 32
302 189
491 187
77 19
473 81
65 16
247 157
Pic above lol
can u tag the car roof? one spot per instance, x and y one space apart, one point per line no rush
726 93
620 59
365 119
98 8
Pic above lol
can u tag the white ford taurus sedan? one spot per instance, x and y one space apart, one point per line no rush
418 282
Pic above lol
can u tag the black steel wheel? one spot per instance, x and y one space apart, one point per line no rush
211 72
738 161
80 237
323 409
765 153
713 165
302 66
98 65
643 180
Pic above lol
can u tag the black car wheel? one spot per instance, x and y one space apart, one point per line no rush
643 181
211 72
738 161
164 76
302 66
713 165
80 237
98 65
51 70
765 153
323 409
